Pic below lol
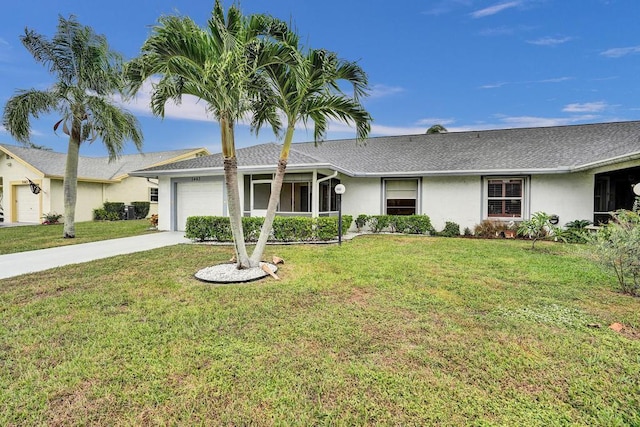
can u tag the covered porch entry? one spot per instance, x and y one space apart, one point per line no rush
614 191
309 194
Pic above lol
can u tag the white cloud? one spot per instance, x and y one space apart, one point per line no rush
587 107
526 82
191 107
430 121
492 10
552 80
381 91
533 121
493 85
618 52
550 41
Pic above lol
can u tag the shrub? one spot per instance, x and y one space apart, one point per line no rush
251 227
451 229
285 229
153 220
99 214
412 224
575 232
538 227
377 223
490 228
51 218
361 221
292 228
115 210
617 245
141 209
467 232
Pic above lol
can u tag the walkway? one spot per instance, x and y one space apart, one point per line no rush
43 259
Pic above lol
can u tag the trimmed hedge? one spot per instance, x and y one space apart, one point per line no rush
410 224
141 209
285 229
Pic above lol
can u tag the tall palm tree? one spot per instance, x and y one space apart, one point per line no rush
305 89
87 74
217 64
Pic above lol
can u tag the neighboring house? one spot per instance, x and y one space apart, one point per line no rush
575 172
99 181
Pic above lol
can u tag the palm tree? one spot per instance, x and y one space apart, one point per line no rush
217 64
308 89
87 73
437 128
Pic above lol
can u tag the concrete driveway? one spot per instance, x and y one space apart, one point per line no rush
12 265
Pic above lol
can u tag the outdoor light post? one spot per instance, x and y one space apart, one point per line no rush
340 189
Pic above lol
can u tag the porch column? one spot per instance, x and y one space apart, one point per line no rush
315 195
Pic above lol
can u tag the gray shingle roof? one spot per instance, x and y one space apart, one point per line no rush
530 150
52 164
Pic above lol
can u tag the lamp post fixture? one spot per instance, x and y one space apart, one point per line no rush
340 189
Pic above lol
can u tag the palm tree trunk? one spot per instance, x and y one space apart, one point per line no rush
235 212
233 193
265 231
274 199
70 183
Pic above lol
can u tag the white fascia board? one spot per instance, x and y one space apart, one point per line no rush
543 171
607 162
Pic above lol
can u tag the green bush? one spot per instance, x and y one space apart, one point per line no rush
377 223
51 218
451 229
199 228
115 210
617 245
99 214
292 228
538 227
251 227
285 229
412 224
326 227
361 221
141 209
575 232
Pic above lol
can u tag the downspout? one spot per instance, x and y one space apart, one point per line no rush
316 191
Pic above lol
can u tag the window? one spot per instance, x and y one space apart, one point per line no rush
504 198
153 195
401 196
328 198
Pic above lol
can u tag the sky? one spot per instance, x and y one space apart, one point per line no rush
464 64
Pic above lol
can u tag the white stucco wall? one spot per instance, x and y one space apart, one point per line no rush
15 173
164 203
570 196
452 198
363 196
131 189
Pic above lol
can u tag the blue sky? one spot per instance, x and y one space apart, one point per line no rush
466 64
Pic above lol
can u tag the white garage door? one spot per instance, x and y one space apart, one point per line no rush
27 205
197 199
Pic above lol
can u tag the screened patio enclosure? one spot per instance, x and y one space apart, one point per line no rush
309 194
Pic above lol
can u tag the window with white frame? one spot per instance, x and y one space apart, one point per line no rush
153 194
505 197
401 196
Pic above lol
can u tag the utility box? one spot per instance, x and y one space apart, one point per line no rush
129 212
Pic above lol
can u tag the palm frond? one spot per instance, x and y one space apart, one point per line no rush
24 104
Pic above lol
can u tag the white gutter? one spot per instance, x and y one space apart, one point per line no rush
613 160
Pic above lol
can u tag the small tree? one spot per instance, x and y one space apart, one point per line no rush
538 227
617 245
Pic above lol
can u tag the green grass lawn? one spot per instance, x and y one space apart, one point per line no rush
31 237
383 330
